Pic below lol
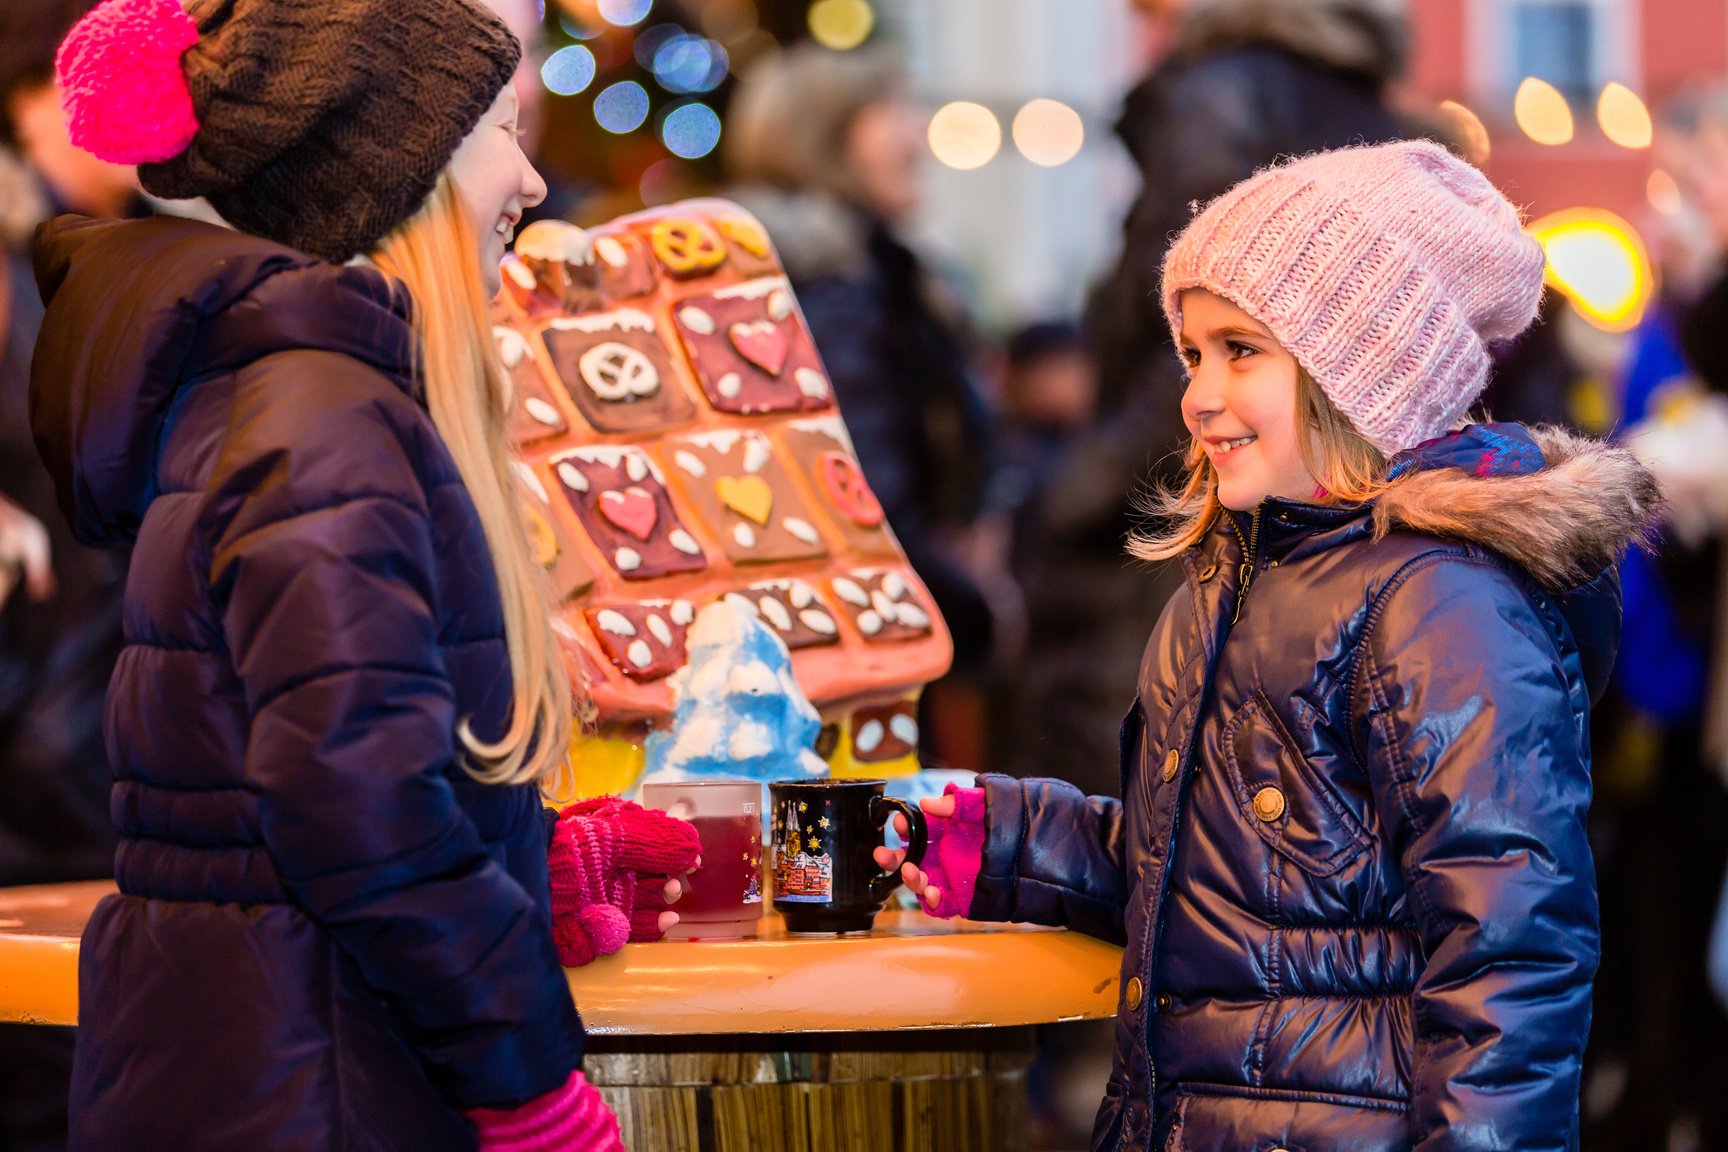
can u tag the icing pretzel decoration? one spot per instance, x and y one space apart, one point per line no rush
687 247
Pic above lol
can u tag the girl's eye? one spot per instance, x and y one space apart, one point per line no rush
1191 357
1240 351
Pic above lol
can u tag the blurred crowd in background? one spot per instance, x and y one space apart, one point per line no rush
1008 415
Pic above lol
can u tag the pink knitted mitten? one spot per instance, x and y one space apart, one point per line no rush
569 1119
955 854
609 860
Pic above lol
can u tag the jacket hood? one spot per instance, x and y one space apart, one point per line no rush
137 310
816 233
1369 37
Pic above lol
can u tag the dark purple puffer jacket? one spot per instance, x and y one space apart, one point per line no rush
1350 866
328 937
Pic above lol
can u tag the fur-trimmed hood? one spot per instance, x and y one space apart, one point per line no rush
1561 506
1370 37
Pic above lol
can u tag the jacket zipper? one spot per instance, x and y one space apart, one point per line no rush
1245 576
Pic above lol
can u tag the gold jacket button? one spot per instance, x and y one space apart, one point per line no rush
1134 993
1172 761
1269 804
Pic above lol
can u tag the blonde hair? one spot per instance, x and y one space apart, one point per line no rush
432 255
1348 467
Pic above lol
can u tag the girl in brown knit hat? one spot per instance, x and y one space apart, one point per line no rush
341 693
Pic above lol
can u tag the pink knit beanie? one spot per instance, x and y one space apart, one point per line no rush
1384 270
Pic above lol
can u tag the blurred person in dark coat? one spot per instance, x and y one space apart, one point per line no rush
826 148
1243 82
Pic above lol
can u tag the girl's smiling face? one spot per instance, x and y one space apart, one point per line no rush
1240 405
496 183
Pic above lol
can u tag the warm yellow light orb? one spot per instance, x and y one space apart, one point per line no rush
1048 132
1597 259
1468 129
965 135
841 24
1542 113
1664 193
1623 117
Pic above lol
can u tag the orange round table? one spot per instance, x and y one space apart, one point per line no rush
916 1036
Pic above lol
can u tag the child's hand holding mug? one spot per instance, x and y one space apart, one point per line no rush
954 856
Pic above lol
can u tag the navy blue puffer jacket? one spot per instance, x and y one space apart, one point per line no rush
1350 866
328 937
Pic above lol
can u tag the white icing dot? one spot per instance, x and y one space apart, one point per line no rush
801 595
542 411
640 654
883 605
683 612
743 603
869 737
811 382
894 585
627 559
611 251
661 633
801 529
614 622
905 727
572 477
779 305
697 321
756 453
512 348
520 273
912 617
776 613
849 591
636 467
869 623
690 462
817 621
730 385
683 541
745 535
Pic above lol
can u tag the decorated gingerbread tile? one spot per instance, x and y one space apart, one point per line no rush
824 451
885 732
746 239
793 609
534 414
617 371
751 350
744 494
570 573
883 604
621 499
644 639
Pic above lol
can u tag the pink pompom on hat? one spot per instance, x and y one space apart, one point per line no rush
127 100
1385 270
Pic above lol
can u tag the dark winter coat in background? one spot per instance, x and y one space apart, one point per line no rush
328 937
895 348
1247 82
1351 869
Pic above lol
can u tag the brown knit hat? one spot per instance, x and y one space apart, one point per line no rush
321 124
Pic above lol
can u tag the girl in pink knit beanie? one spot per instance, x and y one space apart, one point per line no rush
1349 865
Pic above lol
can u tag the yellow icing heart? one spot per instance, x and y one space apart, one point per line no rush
749 496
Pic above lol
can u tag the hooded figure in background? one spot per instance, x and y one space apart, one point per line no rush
1244 82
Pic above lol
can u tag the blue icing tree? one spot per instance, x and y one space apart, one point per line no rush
738 711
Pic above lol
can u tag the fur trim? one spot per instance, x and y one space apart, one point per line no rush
1564 525
1371 37
815 233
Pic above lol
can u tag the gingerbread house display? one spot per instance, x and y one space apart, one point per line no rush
679 443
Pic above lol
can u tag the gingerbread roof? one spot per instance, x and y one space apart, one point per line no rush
679 442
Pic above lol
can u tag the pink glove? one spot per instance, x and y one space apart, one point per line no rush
609 860
569 1119
955 854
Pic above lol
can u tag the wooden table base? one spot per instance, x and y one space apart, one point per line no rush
949 1090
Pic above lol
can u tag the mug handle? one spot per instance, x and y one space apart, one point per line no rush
881 807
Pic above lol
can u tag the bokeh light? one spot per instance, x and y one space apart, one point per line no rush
1623 117
964 135
1048 132
1664 193
651 40
622 107
1542 113
568 70
841 24
624 13
691 131
1469 131
1597 259
690 64
576 29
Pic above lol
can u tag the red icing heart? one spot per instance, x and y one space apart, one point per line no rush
763 343
846 488
633 510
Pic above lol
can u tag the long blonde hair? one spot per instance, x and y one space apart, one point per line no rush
1349 468
432 255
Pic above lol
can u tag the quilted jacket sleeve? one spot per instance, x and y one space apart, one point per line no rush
323 570
1472 715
